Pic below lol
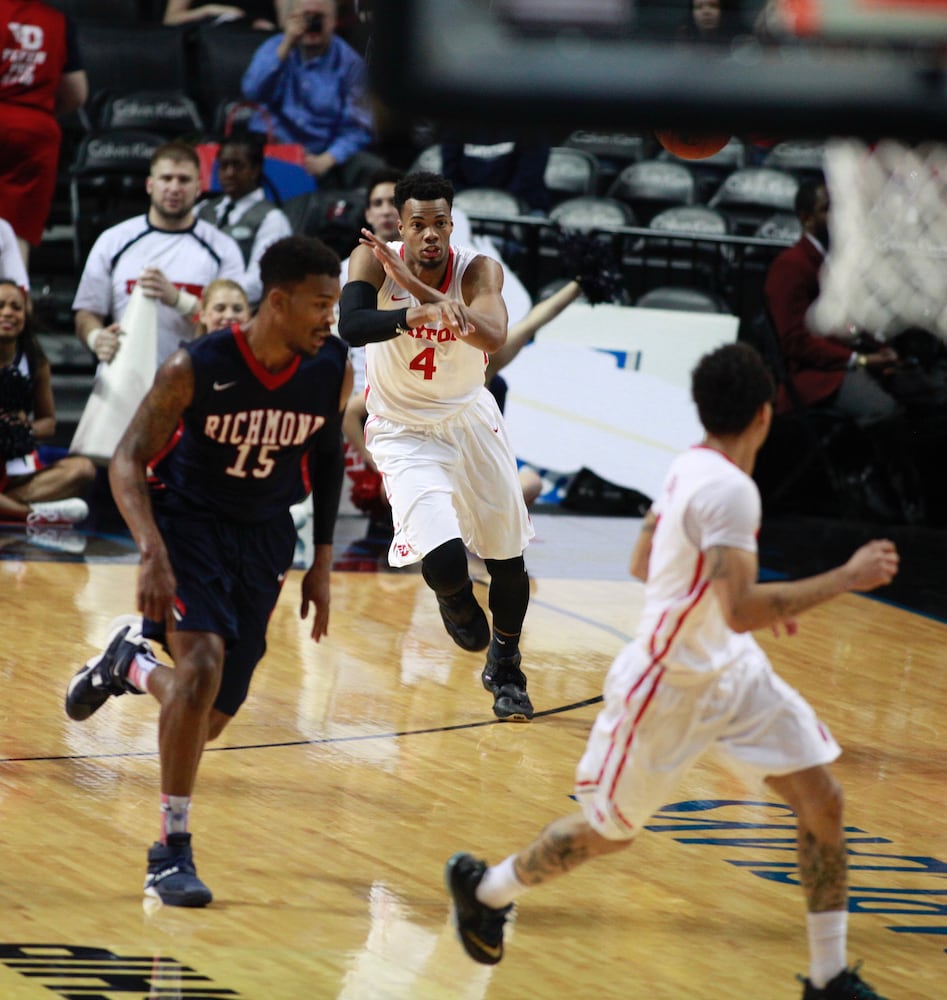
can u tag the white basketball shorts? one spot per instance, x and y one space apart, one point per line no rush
456 479
655 724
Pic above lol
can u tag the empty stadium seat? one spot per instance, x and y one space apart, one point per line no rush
613 150
588 212
691 220
752 194
683 299
570 173
428 159
167 112
782 226
684 226
122 59
232 115
653 185
803 158
489 203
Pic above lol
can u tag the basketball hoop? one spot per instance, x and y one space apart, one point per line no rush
886 268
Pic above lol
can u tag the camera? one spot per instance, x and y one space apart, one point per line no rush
314 23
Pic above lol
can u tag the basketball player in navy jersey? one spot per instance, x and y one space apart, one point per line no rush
204 477
429 315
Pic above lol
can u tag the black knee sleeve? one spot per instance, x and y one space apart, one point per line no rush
509 593
445 568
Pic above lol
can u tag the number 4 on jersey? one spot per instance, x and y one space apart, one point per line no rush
424 362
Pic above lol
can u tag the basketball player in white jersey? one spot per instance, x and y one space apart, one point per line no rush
694 677
429 315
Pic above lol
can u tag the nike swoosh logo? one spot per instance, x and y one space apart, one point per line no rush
400 298
488 949
220 386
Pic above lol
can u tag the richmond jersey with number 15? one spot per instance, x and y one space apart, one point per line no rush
423 376
240 448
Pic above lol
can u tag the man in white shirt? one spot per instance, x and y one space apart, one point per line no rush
243 211
694 678
169 252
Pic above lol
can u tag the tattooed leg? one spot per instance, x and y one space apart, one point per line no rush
565 844
823 872
817 801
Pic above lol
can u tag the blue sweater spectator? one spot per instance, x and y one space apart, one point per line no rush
313 84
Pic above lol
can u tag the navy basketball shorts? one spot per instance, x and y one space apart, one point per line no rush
229 577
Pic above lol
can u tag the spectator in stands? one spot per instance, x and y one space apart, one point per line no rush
11 261
261 14
243 211
168 250
313 84
30 491
223 304
853 374
711 21
837 371
41 79
496 162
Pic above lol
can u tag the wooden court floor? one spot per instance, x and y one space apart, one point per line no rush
323 818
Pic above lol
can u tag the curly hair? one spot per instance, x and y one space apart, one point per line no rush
729 385
423 186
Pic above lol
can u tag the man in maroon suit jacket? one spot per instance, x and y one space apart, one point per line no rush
820 369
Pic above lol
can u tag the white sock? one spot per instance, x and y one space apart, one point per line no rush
499 885
174 814
140 669
827 933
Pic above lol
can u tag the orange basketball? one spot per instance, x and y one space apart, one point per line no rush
691 145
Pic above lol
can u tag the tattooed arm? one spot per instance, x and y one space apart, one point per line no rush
642 550
152 425
748 604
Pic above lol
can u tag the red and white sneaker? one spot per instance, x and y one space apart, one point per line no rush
68 511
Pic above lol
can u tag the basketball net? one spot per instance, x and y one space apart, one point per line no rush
887 266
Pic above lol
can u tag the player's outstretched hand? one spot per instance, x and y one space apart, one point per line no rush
873 565
390 259
315 591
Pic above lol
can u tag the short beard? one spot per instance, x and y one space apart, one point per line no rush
167 216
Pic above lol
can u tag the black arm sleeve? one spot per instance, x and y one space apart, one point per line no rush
361 322
326 471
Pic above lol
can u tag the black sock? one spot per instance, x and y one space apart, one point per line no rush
504 646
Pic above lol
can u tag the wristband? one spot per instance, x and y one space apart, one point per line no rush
186 304
92 337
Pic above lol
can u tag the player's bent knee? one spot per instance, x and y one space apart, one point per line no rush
445 568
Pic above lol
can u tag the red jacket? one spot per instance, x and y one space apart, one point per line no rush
815 364
33 53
